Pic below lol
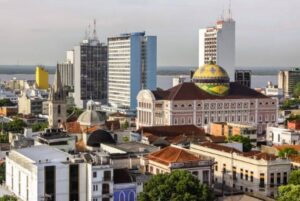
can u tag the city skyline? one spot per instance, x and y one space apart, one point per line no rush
60 25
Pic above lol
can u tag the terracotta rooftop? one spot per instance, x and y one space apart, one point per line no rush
174 133
220 147
72 127
251 154
172 155
189 91
281 147
295 158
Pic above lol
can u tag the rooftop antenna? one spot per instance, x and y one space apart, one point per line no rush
94 31
89 31
229 11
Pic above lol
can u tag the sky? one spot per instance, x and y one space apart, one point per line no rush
40 31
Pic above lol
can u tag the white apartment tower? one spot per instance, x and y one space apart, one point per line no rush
131 67
217 43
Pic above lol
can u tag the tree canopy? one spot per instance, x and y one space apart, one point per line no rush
6 102
39 126
247 146
290 104
8 198
296 91
17 125
179 185
294 177
286 152
289 192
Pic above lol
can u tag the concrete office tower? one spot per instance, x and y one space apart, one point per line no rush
57 103
217 43
67 70
287 79
131 67
41 77
90 71
243 77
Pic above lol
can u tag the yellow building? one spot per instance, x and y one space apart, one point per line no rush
41 77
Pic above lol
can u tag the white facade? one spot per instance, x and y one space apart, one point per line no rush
279 136
25 173
131 67
253 172
218 44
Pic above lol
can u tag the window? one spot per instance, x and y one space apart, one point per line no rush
105 188
278 178
285 178
262 180
94 174
107 175
234 173
241 174
246 175
224 167
272 180
205 176
251 176
216 166
95 187
58 109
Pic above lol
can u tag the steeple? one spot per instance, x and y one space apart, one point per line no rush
57 90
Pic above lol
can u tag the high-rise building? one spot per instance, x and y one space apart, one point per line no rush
217 44
90 71
131 67
243 77
41 77
67 70
287 79
57 103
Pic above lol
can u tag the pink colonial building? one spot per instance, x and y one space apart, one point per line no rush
209 98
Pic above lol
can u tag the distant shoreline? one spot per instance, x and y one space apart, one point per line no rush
162 70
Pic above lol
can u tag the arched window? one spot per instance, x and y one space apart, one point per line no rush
58 109
131 196
122 196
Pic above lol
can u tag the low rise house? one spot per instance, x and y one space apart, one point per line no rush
281 135
294 125
252 171
163 136
8 111
173 158
127 155
231 129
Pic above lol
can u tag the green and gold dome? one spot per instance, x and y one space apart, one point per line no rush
212 78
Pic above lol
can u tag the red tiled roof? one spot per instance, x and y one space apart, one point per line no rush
189 91
251 154
284 146
295 158
172 155
174 133
72 127
220 147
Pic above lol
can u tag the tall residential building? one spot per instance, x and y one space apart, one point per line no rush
90 71
243 77
287 79
217 43
67 70
131 67
57 103
41 77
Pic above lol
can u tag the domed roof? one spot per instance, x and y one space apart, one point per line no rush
212 78
90 117
99 136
